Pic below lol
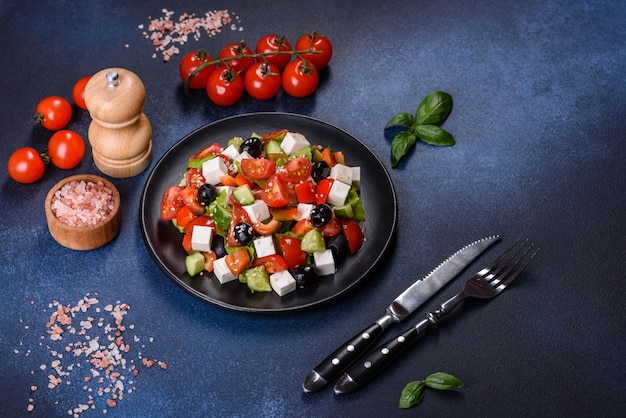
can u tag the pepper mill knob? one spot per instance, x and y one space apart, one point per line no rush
120 134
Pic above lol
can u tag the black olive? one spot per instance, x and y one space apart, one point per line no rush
206 194
252 146
339 246
321 215
217 245
243 233
320 171
305 276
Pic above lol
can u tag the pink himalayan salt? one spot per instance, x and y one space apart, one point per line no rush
82 204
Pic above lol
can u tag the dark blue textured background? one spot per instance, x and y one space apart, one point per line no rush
540 92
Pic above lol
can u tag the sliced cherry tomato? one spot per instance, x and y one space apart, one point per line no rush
238 215
275 193
171 202
78 92
236 50
187 243
300 78
184 216
189 196
26 165
274 43
272 263
238 261
305 192
316 42
194 177
262 80
291 250
332 228
53 113
213 149
285 214
353 233
224 87
295 171
274 135
190 63
302 227
322 189
66 149
258 168
269 228
202 220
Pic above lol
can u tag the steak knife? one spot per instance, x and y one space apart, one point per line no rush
402 306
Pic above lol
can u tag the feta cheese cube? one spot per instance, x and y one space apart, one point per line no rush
213 170
222 272
231 152
264 246
293 142
341 173
324 262
338 193
282 282
243 155
304 210
201 237
257 211
356 177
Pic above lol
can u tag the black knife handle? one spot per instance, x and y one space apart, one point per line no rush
332 366
365 369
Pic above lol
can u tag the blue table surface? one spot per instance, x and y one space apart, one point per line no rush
539 94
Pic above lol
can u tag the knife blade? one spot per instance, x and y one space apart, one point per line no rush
402 306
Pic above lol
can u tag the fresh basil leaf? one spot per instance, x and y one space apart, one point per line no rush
434 135
402 119
401 144
443 381
434 109
412 394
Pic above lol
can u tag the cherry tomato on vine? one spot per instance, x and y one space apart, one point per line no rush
26 165
273 43
236 50
66 149
300 78
78 92
316 42
190 63
53 113
224 87
262 80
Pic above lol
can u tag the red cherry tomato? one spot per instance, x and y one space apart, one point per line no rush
189 196
273 43
300 78
66 149
224 87
332 228
53 113
262 80
291 250
272 263
234 50
258 168
26 165
275 193
184 216
194 177
353 234
190 63
202 220
78 92
171 202
315 42
295 171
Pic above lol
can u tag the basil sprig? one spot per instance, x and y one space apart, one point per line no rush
425 125
413 392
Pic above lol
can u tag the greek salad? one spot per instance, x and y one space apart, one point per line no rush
272 210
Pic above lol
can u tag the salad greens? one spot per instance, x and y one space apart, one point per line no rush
413 392
425 125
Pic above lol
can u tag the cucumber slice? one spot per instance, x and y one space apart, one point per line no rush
194 263
257 279
306 152
243 195
313 241
273 150
344 211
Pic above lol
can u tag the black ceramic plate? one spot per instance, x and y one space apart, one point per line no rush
164 241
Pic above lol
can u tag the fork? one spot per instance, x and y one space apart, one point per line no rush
486 284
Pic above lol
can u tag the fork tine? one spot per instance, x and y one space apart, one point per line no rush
515 268
502 261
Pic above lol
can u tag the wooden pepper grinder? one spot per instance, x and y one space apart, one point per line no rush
120 134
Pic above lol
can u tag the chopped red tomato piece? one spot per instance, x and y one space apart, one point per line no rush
187 243
213 149
184 216
291 250
202 220
272 263
171 202
332 228
322 189
275 193
353 234
302 227
295 171
189 195
258 168
194 177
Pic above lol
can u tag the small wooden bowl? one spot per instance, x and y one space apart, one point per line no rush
84 237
